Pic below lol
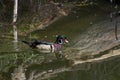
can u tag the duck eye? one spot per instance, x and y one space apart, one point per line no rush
60 41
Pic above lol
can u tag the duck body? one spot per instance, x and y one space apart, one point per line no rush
47 47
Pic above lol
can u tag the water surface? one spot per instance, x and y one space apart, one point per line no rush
75 27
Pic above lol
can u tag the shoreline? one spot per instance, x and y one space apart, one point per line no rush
115 53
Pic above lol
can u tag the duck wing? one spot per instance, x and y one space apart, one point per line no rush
34 43
43 42
26 42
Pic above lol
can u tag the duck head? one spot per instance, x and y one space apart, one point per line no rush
61 39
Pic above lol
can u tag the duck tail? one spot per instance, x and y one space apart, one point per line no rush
26 42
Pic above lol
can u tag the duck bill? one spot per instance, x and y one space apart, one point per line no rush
66 41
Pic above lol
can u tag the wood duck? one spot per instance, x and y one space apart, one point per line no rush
47 47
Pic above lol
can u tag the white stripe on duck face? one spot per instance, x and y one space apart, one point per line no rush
45 48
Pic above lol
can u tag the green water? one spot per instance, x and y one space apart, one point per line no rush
78 21
107 70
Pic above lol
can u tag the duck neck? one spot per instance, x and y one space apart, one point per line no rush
57 46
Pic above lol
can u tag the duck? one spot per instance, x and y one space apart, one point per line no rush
48 47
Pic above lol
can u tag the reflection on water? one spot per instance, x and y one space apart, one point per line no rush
36 63
16 46
46 66
107 70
